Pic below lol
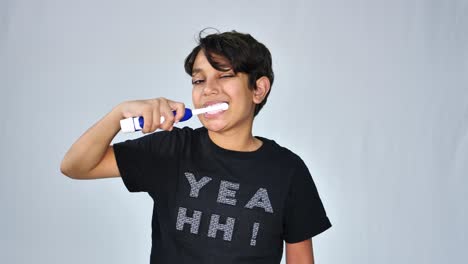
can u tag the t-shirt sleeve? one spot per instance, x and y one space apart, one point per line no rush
144 163
305 215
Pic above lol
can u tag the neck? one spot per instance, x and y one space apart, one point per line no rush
239 140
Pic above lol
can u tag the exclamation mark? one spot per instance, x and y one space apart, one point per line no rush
253 241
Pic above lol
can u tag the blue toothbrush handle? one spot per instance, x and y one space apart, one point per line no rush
133 124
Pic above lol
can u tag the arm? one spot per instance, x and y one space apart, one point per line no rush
300 253
92 157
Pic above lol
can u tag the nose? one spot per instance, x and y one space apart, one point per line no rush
211 87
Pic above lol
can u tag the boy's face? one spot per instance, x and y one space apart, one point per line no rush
211 86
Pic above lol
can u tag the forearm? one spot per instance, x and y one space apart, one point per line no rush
86 153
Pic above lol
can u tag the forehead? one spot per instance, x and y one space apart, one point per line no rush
201 63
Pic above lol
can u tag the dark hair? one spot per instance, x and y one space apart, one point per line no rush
242 52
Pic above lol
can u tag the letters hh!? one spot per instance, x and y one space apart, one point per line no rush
226 195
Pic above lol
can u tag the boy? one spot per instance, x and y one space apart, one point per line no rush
221 195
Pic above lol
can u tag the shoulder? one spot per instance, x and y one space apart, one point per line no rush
276 151
159 142
176 132
175 135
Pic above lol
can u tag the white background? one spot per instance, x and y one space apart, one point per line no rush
372 94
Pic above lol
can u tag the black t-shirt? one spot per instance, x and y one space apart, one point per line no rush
213 205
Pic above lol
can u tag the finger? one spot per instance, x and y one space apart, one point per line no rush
168 115
179 108
156 116
168 118
148 121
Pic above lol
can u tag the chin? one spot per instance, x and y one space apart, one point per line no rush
214 126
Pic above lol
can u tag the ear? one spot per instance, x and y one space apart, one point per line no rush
261 90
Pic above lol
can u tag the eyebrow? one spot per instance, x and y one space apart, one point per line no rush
196 70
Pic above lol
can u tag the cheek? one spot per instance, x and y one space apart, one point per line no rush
195 95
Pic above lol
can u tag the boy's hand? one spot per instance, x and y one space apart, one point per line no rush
151 110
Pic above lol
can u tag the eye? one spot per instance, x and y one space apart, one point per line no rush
228 75
198 81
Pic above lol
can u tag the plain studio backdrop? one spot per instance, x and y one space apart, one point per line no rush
373 95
